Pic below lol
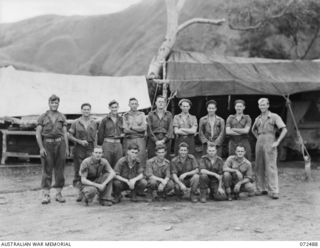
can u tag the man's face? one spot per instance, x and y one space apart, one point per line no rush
97 153
133 104
212 151
114 108
212 108
239 108
160 103
161 153
263 106
133 153
185 107
86 111
240 152
183 152
54 105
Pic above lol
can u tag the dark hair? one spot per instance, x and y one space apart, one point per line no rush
240 145
97 147
185 100
133 146
113 102
211 102
183 144
159 147
160 96
85 104
133 99
212 145
54 98
239 101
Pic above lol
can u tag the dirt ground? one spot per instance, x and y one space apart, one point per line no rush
295 216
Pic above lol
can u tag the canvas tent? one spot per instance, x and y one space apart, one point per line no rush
26 93
196 74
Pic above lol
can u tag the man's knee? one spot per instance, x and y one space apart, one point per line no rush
195 178
249 187
152 184
169 186
89 192
141 184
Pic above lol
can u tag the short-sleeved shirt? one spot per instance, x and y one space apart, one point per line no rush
123 169
216 167
157 125
269 125
137 118
155 168
243 165
110 129
180 167
182 121
93 169
51 129
214 133
81 132
233 122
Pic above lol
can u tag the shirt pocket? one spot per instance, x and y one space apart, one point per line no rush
47 124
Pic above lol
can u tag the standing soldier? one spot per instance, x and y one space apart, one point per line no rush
158 174
185 172
185 126
83 132
264 129
211 128
211 175
51 134
238 174
110 133
159 127
134 125
238 127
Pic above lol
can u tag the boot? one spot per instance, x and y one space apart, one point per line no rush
150 196
134 196
59 197
80 196
45 196
203 195
229 196
193 197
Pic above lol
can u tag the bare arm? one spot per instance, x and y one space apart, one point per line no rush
210 173
43 152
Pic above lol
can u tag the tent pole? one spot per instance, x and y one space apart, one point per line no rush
165 85
305 153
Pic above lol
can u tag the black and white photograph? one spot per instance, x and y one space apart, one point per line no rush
159 120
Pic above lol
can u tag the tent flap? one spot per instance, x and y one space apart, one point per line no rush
196 74
26 93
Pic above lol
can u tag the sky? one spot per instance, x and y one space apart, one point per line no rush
16 10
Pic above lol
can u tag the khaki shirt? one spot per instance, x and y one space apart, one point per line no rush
134 119
51 129
154 168
179 167
244 166
214 133
180 122
269 125
123 169
92 169
79 130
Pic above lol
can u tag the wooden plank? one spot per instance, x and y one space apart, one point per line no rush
17 132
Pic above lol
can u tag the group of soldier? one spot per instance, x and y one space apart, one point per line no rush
132 153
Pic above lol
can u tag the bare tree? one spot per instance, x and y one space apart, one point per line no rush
174 8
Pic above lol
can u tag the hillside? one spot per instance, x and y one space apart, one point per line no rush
116 44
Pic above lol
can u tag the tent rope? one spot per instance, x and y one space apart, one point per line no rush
304 151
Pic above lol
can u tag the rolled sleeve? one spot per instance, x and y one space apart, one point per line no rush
227 164
175 122
168 174
148 171
117 167
72 129
249 173
279 122
202 164
194 163
228 122
173 168
194 121
249 121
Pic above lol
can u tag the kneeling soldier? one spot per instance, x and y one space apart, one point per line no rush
211 173
158 174
238 174
96 178
184 170
129 174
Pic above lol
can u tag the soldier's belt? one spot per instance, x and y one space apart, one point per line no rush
49 140
111 140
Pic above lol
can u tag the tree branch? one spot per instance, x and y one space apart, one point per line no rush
261 22
311 42
199 20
